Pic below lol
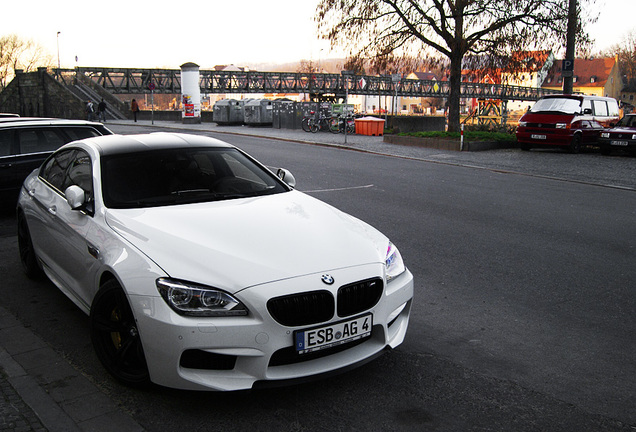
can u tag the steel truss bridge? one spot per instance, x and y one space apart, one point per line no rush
140 81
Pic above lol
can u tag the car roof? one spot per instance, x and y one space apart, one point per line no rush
43 121
576 96
120 144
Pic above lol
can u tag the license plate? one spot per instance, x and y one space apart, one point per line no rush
332 335
534 136
619 143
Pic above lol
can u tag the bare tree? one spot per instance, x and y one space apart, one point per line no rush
307 66
17 53
490 29
625 50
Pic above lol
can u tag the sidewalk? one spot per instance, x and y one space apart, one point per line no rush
40 391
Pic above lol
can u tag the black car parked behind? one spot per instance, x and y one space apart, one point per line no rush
25 142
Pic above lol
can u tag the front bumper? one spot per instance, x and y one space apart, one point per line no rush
233 353
617 143
544 136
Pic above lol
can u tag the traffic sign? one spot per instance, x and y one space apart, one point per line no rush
151 86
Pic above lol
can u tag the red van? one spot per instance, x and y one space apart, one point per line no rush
571 121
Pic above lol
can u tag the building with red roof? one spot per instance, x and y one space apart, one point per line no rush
597 77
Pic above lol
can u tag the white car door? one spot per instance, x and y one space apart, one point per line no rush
59 232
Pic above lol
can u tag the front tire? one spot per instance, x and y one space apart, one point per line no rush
115 336
575 145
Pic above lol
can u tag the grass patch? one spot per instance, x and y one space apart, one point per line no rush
468 135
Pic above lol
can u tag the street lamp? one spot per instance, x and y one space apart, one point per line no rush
58 51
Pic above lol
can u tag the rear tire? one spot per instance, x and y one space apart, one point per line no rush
115 336
305 124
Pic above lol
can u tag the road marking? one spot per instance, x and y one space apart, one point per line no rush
339 189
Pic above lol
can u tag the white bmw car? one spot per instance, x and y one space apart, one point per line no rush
202 269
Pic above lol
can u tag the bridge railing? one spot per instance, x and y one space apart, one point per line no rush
136 81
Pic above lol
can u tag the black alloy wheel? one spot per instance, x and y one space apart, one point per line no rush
28 258
115 336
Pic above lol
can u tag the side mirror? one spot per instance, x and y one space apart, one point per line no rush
287 177
587 111
75 197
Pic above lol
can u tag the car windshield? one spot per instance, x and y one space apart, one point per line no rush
557 106
627 121
185 175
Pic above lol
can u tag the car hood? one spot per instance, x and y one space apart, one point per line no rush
240 243
548 118
623 130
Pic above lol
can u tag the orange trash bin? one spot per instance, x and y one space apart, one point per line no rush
371 126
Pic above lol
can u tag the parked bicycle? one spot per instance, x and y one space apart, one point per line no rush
337 124
311 123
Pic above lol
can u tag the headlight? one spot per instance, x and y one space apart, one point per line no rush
394 264
195 300
523 124
604 134
633 136
561 126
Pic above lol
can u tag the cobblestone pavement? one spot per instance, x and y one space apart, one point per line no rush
15 414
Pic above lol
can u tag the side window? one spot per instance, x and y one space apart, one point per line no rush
600 108
54 169
6 139
80 173
586 104
612 107
78 133
39 140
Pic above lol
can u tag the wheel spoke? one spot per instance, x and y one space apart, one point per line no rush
107 325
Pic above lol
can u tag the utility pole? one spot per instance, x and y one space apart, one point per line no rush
570 49
58 51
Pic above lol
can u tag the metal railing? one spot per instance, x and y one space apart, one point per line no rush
138 81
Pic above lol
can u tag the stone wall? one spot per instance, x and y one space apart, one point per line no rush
37 94
405 124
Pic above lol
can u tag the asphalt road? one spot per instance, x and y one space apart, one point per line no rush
524 316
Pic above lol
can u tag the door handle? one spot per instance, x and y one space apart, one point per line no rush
53 210
93 251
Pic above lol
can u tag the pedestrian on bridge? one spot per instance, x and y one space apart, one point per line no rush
101 111
90 110
134 107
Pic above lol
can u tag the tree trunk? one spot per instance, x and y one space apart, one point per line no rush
455 91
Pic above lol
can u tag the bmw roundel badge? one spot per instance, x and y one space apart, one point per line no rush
328 279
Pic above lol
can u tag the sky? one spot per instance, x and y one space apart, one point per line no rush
143 34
